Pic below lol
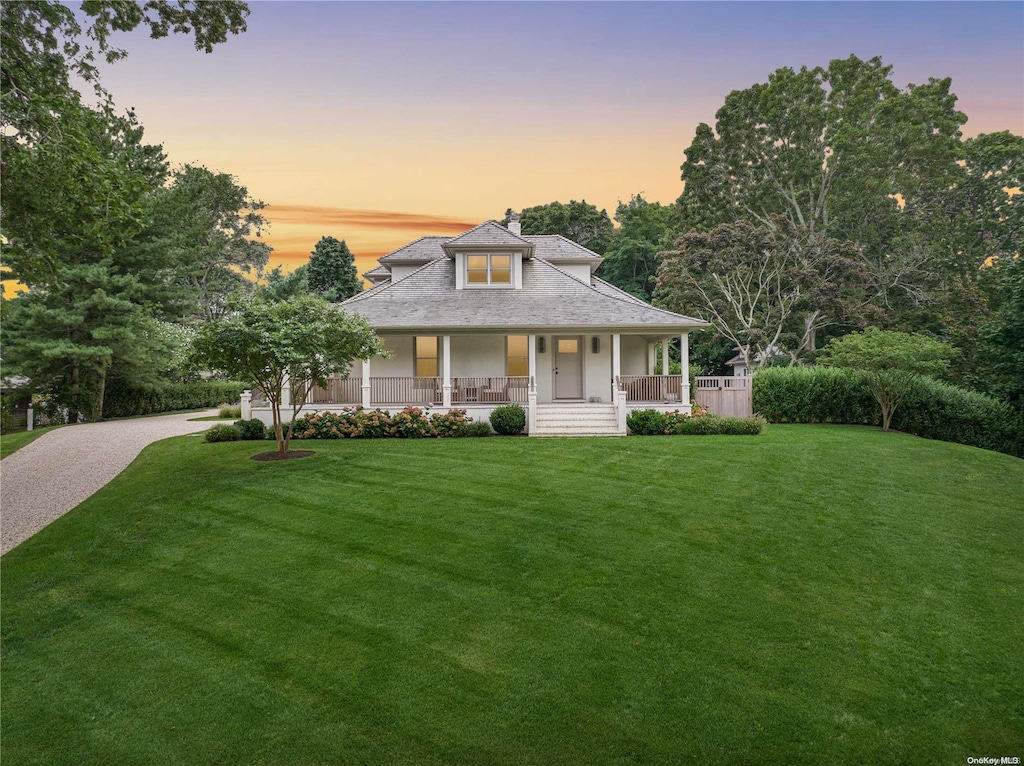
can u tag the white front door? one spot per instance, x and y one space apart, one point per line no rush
568 370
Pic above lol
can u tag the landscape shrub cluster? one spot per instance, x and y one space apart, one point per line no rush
931 409
410 423
508 419
651 422
121 401
240 430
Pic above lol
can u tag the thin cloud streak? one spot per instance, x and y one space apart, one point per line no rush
366 219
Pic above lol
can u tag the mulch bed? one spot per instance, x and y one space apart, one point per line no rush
290 455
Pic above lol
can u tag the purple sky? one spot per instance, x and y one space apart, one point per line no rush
451 112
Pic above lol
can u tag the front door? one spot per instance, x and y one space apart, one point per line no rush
568 367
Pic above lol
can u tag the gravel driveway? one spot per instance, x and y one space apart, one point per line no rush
47 478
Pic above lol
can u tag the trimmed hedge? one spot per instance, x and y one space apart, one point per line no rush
120 401
222 432
508 419
931 409
651 422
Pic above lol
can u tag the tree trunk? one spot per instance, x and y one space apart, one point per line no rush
73 409
97 408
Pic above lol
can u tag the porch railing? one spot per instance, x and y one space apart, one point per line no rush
394 390
652 388
491 390
413 390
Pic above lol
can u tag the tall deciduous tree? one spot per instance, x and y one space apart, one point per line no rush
331 272
633 255
892 361
273 344
834 150
765 288
581 222
206 222
50 170
283 287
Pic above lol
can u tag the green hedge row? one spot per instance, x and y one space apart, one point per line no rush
120 401
931 409
651 422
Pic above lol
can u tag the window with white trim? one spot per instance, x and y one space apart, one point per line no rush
489 269
517 355
426 356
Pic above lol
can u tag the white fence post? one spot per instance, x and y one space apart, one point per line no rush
531 412
247 404
366 384
29 418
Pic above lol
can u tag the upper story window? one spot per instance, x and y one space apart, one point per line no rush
488 269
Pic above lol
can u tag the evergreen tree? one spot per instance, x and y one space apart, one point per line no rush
332 271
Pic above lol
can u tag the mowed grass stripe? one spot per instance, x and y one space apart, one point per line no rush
814 594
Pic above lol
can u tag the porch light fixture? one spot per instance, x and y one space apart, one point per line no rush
595 345
542 346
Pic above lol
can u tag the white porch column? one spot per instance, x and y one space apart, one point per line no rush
446 362
531 400
651 358
247 404
684 365
616 364
664 357
286 391
366 383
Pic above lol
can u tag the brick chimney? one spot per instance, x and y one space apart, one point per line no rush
513 223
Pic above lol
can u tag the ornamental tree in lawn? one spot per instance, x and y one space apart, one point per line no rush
271 343
892 360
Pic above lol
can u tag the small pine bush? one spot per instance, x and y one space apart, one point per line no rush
508 419
222 432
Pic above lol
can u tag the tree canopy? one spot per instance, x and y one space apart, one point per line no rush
331 272
892 361
298 343
581 222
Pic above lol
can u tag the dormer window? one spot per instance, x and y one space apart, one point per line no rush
488 269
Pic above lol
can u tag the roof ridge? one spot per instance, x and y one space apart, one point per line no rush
410 244
615 297
485 223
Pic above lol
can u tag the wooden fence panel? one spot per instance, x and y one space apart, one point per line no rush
730 396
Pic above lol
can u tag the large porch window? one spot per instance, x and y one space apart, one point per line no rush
426 356
517 355
488 269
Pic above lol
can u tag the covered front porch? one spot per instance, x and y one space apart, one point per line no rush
595 376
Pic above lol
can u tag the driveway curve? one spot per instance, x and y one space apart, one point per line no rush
48 477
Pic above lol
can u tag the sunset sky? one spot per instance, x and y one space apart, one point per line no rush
379 123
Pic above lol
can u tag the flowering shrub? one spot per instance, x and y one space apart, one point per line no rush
411 423
453 423
357 423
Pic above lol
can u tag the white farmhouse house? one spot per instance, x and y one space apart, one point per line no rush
492 317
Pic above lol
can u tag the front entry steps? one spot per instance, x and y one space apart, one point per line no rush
577 419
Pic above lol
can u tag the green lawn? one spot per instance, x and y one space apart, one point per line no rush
814 595
14 441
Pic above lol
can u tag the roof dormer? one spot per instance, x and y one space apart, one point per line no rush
488 256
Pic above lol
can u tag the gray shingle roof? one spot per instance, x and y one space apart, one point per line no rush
549 298
555 247
377 273
423 249
487 233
